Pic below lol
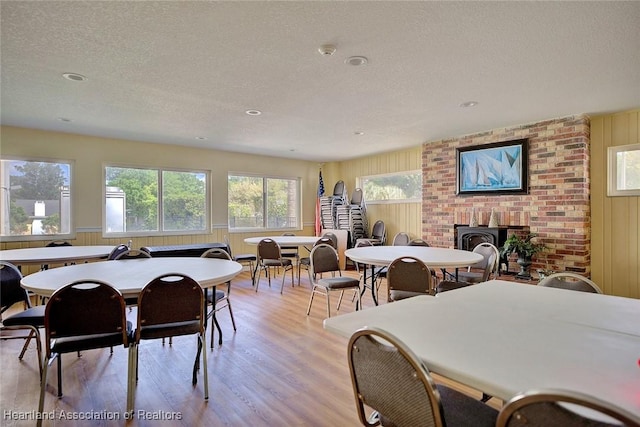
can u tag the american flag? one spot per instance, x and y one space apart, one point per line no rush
320 194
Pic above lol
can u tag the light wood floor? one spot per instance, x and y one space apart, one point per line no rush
280 368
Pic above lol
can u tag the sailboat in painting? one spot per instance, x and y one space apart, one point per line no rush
492 169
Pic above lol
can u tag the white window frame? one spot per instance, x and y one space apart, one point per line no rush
160 231
360 181
72 197
613 172
265 203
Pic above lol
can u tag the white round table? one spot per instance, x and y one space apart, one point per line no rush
442 258
131 275
432 257
56 254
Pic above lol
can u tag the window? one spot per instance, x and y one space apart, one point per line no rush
392 187
151 201
624 170
257 202
36 199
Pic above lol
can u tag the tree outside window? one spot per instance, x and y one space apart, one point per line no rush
36 198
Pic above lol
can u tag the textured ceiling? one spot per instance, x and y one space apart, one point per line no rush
170 72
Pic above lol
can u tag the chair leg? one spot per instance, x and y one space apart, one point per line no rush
233 320
327 292
339 300
131 377
59 376
43 386
313 291
204 362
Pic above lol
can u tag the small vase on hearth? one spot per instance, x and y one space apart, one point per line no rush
493 219
473 222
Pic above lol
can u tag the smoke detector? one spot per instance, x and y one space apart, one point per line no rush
327 49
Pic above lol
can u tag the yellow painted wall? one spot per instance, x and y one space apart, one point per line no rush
398 217
91 153
615 221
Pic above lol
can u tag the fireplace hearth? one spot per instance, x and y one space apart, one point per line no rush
467 238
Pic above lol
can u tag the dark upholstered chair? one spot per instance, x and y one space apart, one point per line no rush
570 281
408 277
390 379
54 244
168 306
378 234
84 315
561 408
270 257
117 251
401 239
418 242
488 265
306 261
244 259
482 270
132 254
28 321
324 260
219 299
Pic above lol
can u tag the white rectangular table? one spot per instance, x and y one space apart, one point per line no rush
503 338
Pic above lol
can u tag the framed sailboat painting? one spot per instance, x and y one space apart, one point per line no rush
497 168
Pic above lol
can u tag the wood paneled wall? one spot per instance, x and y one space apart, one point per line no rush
398 217
615 221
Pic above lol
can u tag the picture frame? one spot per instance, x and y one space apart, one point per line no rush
496 168
623 170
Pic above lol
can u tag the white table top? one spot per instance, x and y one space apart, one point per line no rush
131 275
432 257
504 338
57 254
285 240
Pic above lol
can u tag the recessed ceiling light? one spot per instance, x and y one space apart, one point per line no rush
356 60
253 112
358 133
64 119
327 49
201 138
74 77
469 104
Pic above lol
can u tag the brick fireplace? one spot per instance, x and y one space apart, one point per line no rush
556 206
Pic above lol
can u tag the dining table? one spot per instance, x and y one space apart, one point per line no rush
433 257
129 276
504 338
55 254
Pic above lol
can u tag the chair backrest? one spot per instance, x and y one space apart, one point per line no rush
226 242
408 275
356 197
557 408
323 259
132 254
490 261
338 189
57 243
378 231
324 241
333 237
571 281
10 290
401 239
269 249
117 251
85 307
390 379
173 300
418 242
216 253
